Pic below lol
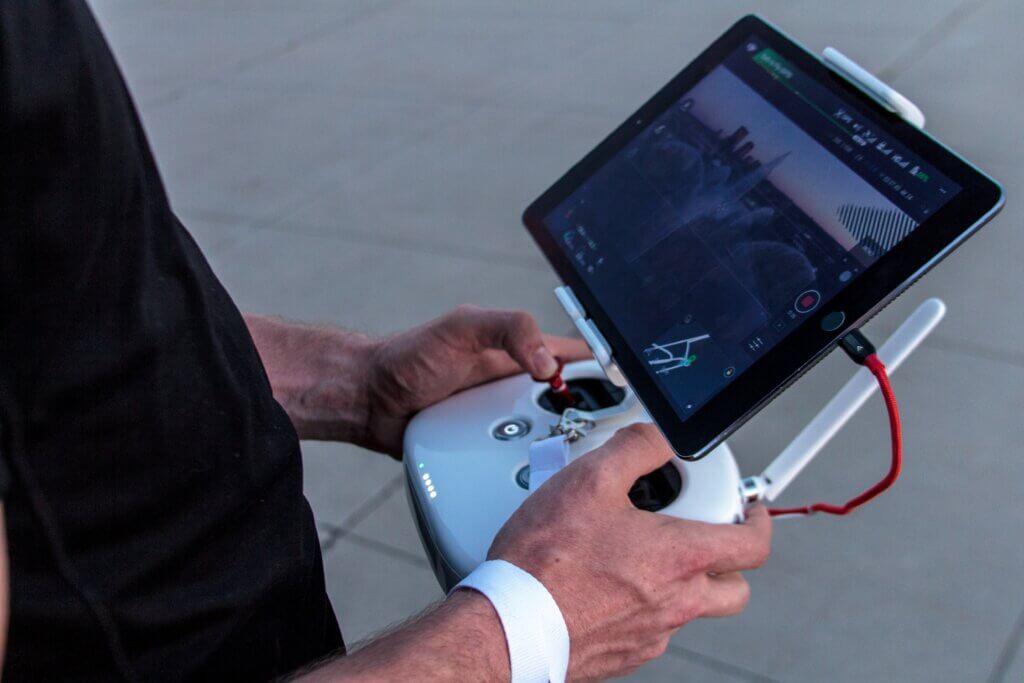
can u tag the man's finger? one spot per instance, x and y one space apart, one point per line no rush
514 332
736 547
727 594
569 349
632 452
494 363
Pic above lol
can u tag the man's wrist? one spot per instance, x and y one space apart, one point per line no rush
319 375
489 651
535 631
460 639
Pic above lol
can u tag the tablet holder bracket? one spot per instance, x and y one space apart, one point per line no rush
588 330
873 86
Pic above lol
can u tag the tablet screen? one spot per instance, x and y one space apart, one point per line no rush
749 203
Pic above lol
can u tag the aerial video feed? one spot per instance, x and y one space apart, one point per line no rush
743 208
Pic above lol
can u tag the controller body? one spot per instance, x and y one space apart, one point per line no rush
466 464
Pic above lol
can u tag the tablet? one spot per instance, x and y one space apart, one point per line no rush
750 214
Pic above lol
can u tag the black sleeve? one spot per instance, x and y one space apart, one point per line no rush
70 155
73 161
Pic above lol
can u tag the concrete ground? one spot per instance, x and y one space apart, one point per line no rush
365 163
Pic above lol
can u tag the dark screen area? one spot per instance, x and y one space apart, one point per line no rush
743 208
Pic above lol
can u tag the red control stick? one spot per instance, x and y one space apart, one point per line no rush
559 388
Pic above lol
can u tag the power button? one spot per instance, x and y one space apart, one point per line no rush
833 321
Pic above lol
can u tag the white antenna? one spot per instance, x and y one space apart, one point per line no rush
838 411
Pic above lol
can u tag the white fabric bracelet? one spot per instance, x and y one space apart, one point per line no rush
538 640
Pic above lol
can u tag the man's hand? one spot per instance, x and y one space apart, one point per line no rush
466 347
626 579
343 386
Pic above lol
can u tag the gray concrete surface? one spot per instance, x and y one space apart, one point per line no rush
365 163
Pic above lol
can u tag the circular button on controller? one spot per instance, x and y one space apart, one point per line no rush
523 477
833 321
516 428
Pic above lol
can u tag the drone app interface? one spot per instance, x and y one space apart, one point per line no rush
749 203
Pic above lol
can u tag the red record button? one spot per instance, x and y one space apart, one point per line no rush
808 301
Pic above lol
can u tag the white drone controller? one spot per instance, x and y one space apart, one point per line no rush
467 458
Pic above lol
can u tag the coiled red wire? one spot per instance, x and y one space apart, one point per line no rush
877 368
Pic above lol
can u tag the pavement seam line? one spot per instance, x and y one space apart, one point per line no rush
929 39
979 351
375 501
336 531
391 551
718 665
1009 652
314 36
291 45
415 247
333 536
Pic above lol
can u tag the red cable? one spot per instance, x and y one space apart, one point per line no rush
877 368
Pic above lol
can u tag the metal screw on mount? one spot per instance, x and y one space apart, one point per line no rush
752 489
572 425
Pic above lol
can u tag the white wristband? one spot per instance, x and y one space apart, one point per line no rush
538 640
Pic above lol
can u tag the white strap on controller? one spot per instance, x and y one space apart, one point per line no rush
535 630
547 457
551 454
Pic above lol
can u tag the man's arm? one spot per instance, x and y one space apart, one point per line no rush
624 579
319 375
344 386
459 639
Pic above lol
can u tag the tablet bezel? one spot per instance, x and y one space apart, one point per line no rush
697 434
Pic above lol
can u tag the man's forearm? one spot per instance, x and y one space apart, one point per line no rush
318 375
459 640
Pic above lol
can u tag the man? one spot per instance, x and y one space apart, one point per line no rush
156 528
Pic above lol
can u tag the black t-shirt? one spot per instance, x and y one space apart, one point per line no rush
156 524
